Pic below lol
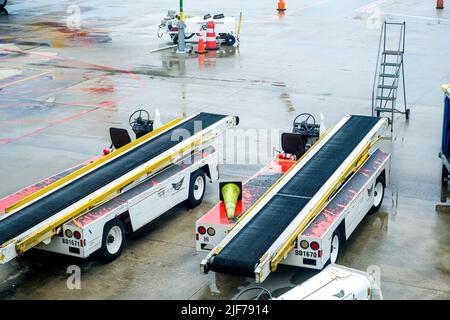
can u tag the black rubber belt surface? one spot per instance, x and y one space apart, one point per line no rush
55 202
243 252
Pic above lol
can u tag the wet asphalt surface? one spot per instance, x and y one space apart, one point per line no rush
61 89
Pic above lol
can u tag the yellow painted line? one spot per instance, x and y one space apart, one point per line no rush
49 230
94 164
352 167
25 79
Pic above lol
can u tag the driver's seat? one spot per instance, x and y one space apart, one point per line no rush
119 137
293 143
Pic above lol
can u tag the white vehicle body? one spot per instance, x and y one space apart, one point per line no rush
335 282
322 228
196 26
139 205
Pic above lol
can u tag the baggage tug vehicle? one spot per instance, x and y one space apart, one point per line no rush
299 212
89 209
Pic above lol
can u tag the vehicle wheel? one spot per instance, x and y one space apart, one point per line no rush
335 247
197 186
175 39
229 40
113 241
378 113
444 184
378 194
407 114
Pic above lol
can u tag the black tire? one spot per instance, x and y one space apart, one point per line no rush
104 253
378 113
444 184
380 183
195 198
229 40
175 39
407 114
2 5
337 234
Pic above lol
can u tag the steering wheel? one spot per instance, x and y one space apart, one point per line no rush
136 117
304 122
262 290
160 32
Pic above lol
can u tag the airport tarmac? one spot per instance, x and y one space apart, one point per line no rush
61 90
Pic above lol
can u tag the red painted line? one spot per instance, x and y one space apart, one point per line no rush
100 105
51 125
25 121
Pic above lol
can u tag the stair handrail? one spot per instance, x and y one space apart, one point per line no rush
376 67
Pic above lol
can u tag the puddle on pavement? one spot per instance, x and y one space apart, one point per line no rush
223 286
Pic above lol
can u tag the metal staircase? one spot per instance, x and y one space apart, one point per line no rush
389 69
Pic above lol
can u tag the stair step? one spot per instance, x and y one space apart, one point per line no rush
385 86
391 64
386 98
392 53
388 75
384 109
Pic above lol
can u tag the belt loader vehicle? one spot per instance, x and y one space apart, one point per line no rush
299 212
92 207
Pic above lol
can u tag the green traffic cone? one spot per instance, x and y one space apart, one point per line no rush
230 193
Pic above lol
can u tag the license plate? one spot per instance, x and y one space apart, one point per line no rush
74 243
307 254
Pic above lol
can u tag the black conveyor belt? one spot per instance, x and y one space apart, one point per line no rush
33 214
241 255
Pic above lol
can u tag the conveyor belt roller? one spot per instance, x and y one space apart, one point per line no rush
241 255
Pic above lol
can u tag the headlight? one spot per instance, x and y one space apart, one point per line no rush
211 231
304 244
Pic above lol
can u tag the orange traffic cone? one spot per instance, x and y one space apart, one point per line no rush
440 4
201 46
281 5
211 41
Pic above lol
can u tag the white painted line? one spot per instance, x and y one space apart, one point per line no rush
415 17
